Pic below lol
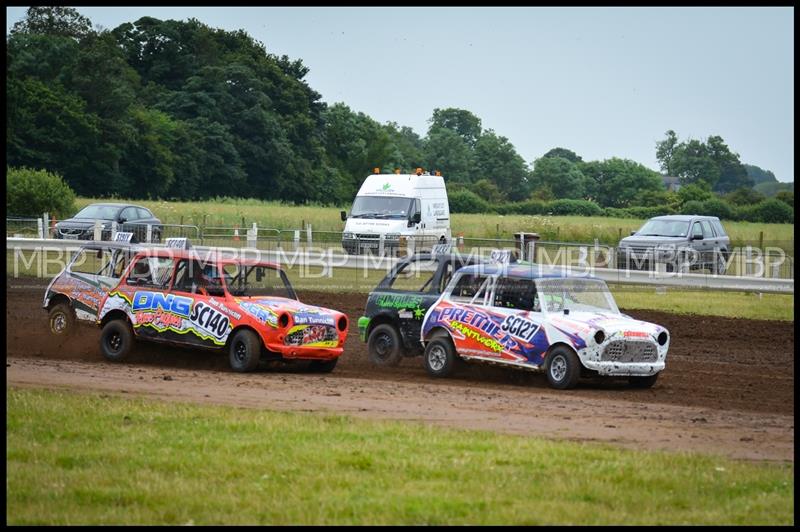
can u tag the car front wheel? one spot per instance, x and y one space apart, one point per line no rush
245 351
440 357
563 368
116 340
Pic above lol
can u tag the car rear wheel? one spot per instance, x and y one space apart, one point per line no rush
323 366
116 340
440 357
563 368
62 320
720 264
245 351
643 382
385 346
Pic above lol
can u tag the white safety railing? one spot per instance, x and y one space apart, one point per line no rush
331 259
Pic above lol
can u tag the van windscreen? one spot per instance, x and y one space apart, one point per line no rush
381 207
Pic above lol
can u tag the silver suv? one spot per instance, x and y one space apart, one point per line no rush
684 241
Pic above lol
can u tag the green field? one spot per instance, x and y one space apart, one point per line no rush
93 459
552 228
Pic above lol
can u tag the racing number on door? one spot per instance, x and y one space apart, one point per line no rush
519 327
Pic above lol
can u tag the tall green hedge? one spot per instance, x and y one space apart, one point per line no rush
31 192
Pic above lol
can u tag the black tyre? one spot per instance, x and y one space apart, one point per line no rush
385 346
323 366
643 382
720 264
245 351
62 320
563 368
116 340
440 357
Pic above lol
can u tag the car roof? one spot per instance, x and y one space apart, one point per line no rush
682 217
522 270
205 256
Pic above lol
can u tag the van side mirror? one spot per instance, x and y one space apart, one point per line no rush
344 215
416 218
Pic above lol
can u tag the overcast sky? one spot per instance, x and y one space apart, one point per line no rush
602 82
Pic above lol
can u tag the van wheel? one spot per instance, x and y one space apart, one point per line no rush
385 346
116 340
563 368
62 320
245 351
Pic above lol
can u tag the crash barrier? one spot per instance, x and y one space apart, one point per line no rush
749 261
328 259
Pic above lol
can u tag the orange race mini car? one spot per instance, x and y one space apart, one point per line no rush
245 306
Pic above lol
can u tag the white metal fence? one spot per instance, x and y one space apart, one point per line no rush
330 258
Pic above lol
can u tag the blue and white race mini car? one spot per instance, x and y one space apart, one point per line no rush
519 316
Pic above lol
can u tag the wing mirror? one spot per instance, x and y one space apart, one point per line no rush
633 233
344 215
122 219
416 218
697 237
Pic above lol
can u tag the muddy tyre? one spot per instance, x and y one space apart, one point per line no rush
62 320
323 366
385 346
563 368
116 340
440 357
643 382
244 351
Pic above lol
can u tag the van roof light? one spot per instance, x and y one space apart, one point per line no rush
376 170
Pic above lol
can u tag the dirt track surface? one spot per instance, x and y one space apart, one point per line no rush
728 387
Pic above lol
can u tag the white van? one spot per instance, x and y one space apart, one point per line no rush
406 209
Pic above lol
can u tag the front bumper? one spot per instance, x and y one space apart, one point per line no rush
294 352
360 246
641 369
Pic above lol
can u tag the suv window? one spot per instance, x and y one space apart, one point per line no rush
707 232
696 229
143 213
718 226
516 294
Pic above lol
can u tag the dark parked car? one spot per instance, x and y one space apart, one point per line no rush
697 240
130 218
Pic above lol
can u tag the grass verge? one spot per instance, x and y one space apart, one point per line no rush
95 459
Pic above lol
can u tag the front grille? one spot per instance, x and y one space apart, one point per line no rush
370 236
312 334
627 351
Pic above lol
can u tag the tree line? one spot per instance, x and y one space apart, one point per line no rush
179 110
